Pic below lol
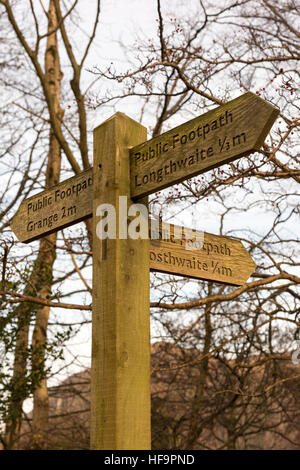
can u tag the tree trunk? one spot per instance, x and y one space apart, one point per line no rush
194 427
47 251
18 393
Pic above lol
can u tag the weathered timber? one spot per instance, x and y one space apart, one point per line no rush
120 398
120 395
220 136
224 134
54 209
201 255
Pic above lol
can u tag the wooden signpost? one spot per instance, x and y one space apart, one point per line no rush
220 136
120 397
54 209
219 259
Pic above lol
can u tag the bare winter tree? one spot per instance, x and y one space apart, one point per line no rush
43 104
218 380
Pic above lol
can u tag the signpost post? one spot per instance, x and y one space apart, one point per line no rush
120 398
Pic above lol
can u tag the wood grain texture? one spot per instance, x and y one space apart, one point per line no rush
220 259
165 256
54 209
120 399
222 135
208 141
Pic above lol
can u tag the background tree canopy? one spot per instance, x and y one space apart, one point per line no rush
222 374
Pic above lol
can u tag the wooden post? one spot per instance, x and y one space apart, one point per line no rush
120 397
